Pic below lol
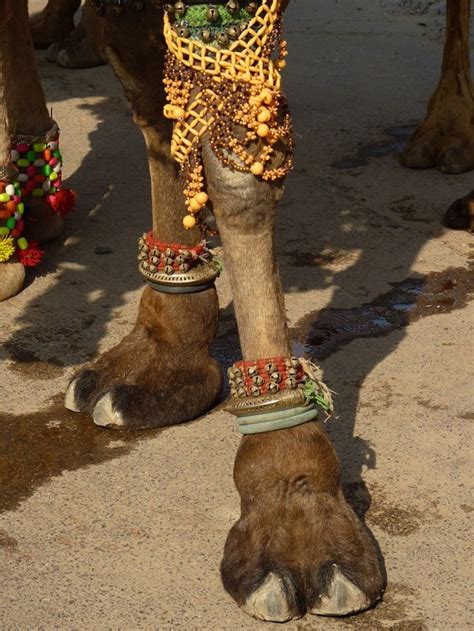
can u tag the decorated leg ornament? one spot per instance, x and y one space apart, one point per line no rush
176 268
35 170
221 79
276 393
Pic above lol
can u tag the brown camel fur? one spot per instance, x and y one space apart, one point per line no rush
297 547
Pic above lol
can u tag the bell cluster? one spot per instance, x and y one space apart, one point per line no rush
223 35
167 260
250 382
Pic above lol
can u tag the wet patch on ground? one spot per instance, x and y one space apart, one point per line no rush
323 333
36 447
392 146
390 613
6 541
378 510
30 365
329 257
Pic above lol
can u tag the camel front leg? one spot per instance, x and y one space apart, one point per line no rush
25 215
297 547
161 373
445 139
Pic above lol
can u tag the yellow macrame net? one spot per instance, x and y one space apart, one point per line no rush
241 83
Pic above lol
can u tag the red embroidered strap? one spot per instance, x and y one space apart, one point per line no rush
171 257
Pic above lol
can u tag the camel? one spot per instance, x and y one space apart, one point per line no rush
297 547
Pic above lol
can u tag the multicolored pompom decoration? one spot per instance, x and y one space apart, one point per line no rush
37 164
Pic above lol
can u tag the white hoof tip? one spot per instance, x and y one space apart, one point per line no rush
70 397
269 601
342 598
105 415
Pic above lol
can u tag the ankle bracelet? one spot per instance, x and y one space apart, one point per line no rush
35 170
276 393
176 268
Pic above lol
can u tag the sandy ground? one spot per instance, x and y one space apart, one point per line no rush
105 531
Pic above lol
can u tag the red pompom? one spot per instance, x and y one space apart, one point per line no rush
63 201
31 256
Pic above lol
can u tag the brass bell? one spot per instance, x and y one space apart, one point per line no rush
186 254
242 393
168 253
169 270
258 381
255 390
276 377
295 362
243 27
152 268
184 268
183 32
233 32
180 259
142 256
155 252
252 371
179 8
168 8
232 6
273 388
239 382
270 368
233 393
212 13
169 261
251 7
291 384
206 35
222 39
145 265
292 372
154 260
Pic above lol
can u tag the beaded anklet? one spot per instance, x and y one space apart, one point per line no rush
176 268
276 393
35 170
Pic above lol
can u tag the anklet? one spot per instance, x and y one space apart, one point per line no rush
176 268
35 170
276 393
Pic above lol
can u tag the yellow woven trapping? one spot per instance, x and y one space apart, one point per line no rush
201 80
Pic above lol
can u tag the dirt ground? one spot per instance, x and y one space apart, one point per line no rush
102 530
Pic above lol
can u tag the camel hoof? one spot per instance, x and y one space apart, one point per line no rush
12 278
269 602
105 415
342 597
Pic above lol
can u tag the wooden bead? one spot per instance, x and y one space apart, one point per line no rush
202 198
189 222
194 206
264 115
257 168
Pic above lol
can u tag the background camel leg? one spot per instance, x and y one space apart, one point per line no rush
54 22
297 542
25 112
445 139
161 373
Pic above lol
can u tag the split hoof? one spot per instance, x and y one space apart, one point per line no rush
12 278
342 597
270 602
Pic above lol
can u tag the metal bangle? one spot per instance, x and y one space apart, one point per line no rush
283 400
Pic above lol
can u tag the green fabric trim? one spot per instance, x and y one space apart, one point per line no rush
196 16
274 421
